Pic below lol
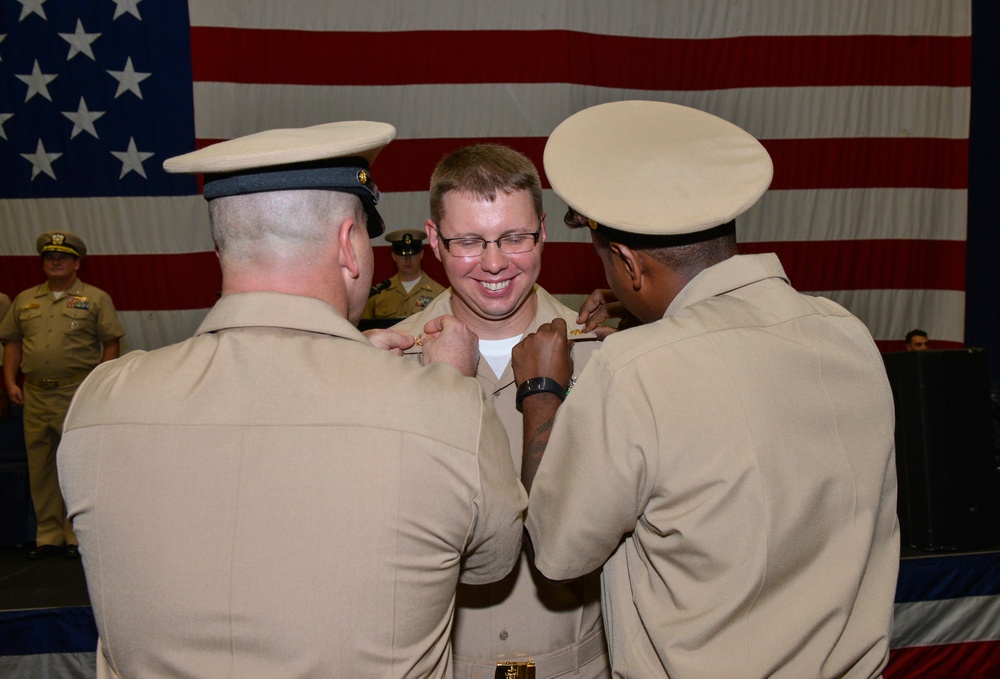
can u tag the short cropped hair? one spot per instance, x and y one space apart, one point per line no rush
687 253
249 227
484 171
914 333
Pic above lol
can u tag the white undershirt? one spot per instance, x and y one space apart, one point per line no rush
497 352
58 294
409 285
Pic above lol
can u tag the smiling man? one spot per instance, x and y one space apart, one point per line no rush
487 228
56 333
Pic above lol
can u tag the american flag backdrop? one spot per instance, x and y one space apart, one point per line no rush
863 104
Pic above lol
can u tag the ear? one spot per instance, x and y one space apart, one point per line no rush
348 256
430 228
631 261
541 227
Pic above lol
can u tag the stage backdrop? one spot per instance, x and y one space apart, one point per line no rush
863 105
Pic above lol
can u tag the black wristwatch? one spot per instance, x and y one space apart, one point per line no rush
538 385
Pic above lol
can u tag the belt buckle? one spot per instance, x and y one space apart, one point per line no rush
515 670
48 383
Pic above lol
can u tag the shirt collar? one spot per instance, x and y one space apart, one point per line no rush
733 273
73 290
278 310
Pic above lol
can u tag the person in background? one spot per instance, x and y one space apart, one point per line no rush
487 228
410 290
728 464
917 340
248 501
4 398
55 333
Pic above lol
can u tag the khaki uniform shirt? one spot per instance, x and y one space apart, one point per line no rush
4 305
523 616
396 302
743 448
61 338
246 508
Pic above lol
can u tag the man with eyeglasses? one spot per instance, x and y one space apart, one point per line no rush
729 462
487 227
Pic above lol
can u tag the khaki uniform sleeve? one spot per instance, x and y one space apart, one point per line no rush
591 485
4 306
494 543
9 329
108 325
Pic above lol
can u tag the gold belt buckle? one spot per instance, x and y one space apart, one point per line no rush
515 670
48 383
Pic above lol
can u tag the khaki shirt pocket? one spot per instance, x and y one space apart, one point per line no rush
29 320
77 319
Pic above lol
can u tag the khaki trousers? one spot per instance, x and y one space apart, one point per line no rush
44 413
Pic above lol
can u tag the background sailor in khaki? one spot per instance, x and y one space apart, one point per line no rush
302 528
730 463
4 305
4 398
56 333
410 290
487 227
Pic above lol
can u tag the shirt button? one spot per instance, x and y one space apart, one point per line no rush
503 635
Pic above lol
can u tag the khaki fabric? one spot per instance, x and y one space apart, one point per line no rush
523 616
247 507
4 400
44 414
733 465
61 339
396 302
4 306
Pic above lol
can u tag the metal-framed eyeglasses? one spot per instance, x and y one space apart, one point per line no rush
509 244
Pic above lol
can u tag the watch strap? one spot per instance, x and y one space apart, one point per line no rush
538 385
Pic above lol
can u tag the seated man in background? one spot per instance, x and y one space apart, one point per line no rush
410 290
4 399
917 340
487 228
247 505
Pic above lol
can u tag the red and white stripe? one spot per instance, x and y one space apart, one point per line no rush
864 107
